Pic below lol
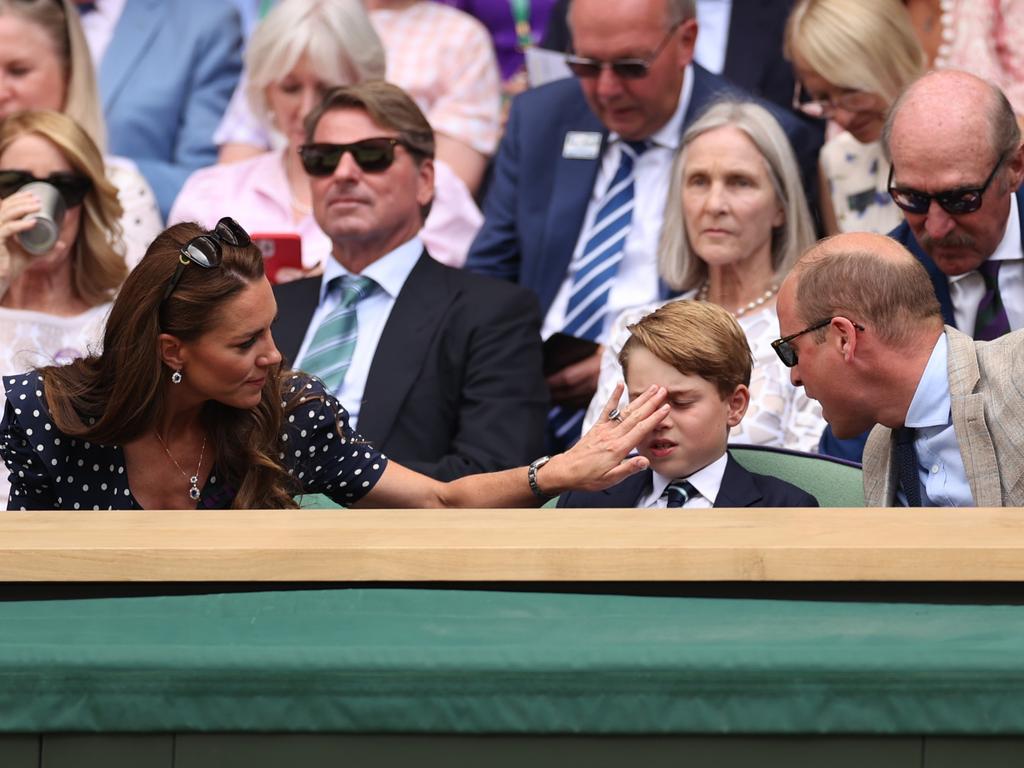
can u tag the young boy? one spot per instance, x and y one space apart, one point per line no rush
698 352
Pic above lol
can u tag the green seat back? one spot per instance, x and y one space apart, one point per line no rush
834 483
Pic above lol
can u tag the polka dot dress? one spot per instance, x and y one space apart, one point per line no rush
49 470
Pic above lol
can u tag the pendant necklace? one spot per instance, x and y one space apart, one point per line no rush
193 491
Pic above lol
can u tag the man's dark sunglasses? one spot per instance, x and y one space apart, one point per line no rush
787 352
371 155
205 250
73 187
628 69
954 201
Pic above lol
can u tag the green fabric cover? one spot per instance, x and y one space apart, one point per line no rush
365 660
832 483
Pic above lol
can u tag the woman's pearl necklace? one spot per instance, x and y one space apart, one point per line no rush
702 295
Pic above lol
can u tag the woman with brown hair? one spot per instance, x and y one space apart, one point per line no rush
187 406
53 304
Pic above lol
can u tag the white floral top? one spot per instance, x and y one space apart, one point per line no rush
779 414
141 219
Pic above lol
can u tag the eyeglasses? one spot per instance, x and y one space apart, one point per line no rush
205 250
73 187
850 101
628 69
371 155
787 352
953 201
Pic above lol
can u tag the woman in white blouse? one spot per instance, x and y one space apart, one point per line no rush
53 305
735 221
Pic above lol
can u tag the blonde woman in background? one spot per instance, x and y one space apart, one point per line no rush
48 66
736 220
53 306
852 58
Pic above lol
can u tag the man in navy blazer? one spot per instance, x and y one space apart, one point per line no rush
953 139
559 153
166 77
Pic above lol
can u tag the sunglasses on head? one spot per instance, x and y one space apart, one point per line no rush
787 352
73 187
205 250
628 68
371 155
954 201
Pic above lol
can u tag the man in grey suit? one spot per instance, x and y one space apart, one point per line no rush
864 335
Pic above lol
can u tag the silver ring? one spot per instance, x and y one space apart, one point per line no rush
615 415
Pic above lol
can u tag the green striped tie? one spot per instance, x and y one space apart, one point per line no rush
330 352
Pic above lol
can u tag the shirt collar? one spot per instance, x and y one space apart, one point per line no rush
1010 246
930 406
668 135
707 480
390 271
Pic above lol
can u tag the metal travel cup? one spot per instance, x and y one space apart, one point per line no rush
43 236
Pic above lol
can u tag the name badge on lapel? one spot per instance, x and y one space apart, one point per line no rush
581 145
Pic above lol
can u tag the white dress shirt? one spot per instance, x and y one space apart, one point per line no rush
707 481
99 25
637 279
713 18
390 273
939 463
967 290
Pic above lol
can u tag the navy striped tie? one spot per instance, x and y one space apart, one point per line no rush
678 492
593 274
991 321
330 352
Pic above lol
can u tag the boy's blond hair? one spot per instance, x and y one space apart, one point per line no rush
696 338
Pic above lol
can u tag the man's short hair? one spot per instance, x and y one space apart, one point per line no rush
1004 131
894 296
676 12
697 338
388 106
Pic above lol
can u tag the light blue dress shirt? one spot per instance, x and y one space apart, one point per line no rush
941 468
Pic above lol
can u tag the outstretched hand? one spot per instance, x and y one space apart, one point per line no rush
599 460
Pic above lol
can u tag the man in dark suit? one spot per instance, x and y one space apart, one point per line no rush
440 369
698 352
957 168
575 146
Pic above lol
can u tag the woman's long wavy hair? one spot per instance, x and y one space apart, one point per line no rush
120 395
97 255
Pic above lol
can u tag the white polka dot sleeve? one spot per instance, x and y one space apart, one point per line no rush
23 450
318 447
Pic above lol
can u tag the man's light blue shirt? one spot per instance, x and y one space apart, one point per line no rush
390 273
940 466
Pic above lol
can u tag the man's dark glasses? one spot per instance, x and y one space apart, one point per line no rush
787 352
205 250
954 201
371 155
628 69
73 187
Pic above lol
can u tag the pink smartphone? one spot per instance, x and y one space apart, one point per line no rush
279 250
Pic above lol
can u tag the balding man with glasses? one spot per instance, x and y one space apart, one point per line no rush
582 174
957 168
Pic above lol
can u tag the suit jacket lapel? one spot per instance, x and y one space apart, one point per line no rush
968 410
706 90
567 209
738 489
401 353
879 468
627 493
297 302
139 22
